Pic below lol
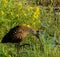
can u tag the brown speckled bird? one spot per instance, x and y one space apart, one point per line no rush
17 34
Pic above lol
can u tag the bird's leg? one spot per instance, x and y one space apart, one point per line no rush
17 45
25 45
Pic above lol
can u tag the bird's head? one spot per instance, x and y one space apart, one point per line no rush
36 33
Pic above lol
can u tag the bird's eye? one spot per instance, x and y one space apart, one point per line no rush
14 32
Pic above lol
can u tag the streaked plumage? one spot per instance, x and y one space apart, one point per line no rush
17 34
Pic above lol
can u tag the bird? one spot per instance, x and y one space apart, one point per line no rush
18 34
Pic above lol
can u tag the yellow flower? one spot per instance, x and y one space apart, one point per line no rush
25 14
2 12
37 9
29 8
5 3
17 15
28 26
20 5
36 13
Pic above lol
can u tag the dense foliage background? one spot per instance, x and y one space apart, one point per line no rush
36 16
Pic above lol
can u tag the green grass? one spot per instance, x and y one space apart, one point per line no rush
13 13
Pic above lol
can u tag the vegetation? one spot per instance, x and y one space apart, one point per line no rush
15 12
